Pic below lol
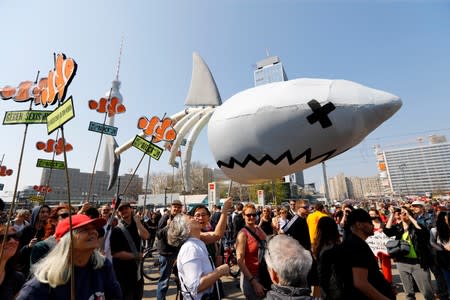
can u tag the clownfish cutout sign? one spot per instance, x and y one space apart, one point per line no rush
102 106
4 171
48 90
42 188
54 146
160 130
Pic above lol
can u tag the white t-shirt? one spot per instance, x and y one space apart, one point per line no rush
193 262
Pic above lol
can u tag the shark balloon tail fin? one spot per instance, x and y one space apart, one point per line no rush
114 159
203 89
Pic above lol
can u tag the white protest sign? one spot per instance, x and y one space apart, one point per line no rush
377 242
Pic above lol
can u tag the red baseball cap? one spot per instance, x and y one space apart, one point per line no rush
78 221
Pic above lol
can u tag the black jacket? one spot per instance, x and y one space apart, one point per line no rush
279 292
420 240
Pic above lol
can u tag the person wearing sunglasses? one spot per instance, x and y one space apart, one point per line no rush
414 266
11 281
247 250
43 247
93 274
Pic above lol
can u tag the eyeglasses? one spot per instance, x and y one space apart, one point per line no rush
250 215
10 236
200 215
63 215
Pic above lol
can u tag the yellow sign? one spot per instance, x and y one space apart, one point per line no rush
37 198
147 147
60 116
50 164
26 117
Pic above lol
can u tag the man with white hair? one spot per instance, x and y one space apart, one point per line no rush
288 264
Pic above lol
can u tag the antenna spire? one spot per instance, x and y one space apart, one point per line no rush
118 61
267 52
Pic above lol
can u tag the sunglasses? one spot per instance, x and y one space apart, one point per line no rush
250 215
10 236
63 215
304 207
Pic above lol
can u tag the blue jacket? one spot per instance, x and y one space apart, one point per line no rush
89 284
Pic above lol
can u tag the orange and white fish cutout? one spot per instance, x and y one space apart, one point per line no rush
4 171
54 146
42 188
27 90
58 80
102 106
160 130
48 89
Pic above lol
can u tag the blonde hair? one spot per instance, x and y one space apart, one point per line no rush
55 270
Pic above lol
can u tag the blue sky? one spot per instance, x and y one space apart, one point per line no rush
402 47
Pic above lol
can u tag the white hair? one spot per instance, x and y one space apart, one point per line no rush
289 260
55 270
178 231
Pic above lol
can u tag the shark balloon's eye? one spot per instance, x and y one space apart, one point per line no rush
320 113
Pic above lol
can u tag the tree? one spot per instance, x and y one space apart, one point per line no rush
282 191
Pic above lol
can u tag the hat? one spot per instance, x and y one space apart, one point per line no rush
78 221
177 202
358 215
417 202
123 204
337 204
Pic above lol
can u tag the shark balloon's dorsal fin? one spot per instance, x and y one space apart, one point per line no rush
203 90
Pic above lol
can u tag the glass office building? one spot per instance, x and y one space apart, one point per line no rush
415 170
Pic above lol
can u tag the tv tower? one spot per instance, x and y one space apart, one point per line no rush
113 92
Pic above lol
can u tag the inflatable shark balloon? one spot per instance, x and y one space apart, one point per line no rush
272 130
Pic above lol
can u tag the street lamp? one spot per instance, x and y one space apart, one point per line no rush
165 196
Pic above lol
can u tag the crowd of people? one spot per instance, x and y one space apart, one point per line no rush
301 251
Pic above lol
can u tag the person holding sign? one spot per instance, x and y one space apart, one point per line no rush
383 258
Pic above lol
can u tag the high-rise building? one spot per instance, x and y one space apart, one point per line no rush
268 70
79 186
415 170
338 187
353 187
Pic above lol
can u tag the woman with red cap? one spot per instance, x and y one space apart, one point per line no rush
93 274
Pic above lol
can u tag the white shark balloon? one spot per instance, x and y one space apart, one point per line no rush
269 131
280 128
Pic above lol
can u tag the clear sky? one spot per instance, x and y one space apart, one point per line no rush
402 47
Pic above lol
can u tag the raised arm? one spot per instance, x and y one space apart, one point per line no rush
217 234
